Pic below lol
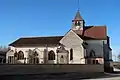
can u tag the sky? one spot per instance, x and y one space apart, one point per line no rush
26 18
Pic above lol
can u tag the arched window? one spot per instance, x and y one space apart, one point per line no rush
78 23
71 54
35 53
92 53
33 57
51 55
75 23
20 55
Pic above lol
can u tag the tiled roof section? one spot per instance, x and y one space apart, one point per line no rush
37 41
78 16
94 32
85 37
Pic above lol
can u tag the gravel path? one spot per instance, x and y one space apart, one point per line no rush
115 78
109 76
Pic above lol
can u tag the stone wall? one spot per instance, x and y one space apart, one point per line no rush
95 45
72 40
40 51
6 69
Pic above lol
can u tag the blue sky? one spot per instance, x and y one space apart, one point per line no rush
21 18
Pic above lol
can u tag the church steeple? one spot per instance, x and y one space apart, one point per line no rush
78 22
78 16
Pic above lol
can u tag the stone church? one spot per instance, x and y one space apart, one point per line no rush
80 45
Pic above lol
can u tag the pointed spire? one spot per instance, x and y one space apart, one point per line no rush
78 16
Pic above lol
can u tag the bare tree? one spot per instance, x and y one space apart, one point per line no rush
118 56
3 49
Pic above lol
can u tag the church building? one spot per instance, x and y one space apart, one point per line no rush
80 45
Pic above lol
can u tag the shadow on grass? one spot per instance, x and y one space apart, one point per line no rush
58 76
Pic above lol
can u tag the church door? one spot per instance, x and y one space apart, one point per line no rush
36 60
63 59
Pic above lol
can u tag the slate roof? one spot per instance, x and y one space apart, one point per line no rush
78 16
37 41
90 33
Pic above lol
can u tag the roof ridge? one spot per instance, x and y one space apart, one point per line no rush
39 36
99 26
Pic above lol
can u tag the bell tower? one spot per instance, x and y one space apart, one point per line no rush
78 22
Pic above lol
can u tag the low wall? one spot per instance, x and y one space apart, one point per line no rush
43 69
115 63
